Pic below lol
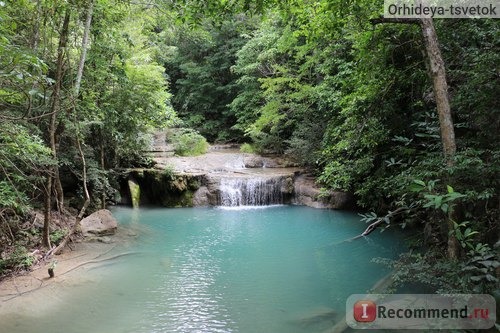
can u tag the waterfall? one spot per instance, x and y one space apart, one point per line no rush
242 191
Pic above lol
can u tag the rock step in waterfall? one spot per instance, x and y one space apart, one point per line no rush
244 191
159 149
223 177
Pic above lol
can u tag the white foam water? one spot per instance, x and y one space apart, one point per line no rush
245 191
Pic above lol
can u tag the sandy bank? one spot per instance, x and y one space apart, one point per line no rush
20 293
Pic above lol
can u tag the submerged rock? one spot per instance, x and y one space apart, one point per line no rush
99 223
317 319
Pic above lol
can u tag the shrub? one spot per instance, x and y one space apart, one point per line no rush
19 258
436 273
188 142
57 236
247 148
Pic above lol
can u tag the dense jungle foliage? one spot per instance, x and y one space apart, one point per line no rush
350 100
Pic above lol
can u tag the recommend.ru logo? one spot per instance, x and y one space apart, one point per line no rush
421 311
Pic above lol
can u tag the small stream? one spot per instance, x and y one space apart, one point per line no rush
279 269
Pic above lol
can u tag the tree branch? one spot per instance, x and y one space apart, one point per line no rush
382 19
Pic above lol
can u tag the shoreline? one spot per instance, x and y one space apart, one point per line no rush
16 291
38 278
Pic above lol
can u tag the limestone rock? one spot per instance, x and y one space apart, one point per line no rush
256 161
253 161
201 197
309 194
99 223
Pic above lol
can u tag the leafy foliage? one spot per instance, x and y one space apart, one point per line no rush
123 97
187 142
20 258
199 69
23 159
437 273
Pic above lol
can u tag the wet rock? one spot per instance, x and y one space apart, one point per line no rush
99 223
179 184
256 161
253 161
308 193
201 197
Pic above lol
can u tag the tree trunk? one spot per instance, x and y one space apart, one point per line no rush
438 75
56 102
47 214
83 55
79 218
36 26
53 176
78 81
440 87
103 194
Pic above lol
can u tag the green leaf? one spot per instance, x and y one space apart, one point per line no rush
416 187
489 263
437 201
491 278
419 182
445 207
469 268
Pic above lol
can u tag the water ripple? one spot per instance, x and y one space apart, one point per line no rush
186 299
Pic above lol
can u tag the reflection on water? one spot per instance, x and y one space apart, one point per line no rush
282 270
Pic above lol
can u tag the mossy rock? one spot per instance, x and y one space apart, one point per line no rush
183 199
135 193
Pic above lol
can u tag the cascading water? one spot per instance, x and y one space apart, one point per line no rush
243 191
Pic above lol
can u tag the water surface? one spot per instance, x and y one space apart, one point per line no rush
280 269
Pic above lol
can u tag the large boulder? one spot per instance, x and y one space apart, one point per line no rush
99 223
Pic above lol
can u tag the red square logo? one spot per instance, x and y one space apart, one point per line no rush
365 311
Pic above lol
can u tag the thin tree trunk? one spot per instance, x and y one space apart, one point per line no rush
53 176
36 26
85 41
78 81
439 84
47 213
56 102
103 195
79 218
